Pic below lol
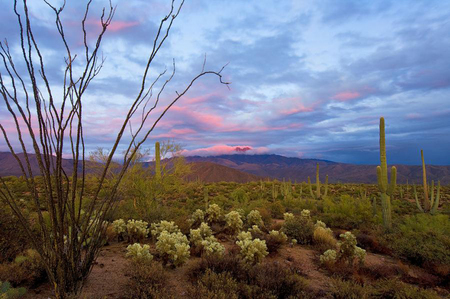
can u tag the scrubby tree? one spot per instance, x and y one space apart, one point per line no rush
51 127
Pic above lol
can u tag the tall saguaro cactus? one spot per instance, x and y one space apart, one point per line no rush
317 194
157 161
429 204
386 190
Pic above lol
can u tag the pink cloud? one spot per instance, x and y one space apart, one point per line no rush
183 131
224 150
297 109
346 96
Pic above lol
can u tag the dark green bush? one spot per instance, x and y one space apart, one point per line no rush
147 280
342 289
422 239
395 289
300 228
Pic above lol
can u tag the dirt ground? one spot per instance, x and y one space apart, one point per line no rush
108 278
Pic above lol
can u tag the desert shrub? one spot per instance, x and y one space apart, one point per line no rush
276 210
347 212
254 218
422 239
234 222
274 240
226 263
252 251
168 226
323 238
147 280
137 230
213 285
26 268
299 228
13 238
196 218
214 214
239 195
138 253
372 244
341 289
8 292
393 288
173 248
273 280
266 280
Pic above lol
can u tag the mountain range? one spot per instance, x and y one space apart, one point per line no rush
243 168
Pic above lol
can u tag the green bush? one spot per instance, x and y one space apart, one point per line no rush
299 228
347 212
422 239
8 292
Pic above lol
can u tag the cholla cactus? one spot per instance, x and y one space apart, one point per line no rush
252 251
197 217
305 213
347 250
279 235
137 229
173 247
138 253
234 221
329 257
294 242
244 236
119 228
199 234
254 218
255 231
211 247
320 224
360 254
158 228
288 217
214 213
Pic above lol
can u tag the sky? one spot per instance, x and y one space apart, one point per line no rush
309 79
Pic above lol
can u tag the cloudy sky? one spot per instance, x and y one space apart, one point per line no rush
308 79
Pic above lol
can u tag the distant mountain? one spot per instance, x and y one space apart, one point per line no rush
245 168
281 167
208 172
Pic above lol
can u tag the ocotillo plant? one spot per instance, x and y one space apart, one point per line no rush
317 194
157 161
386 190
429 204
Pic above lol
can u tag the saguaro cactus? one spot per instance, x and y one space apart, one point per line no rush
386 190
317 194
430 204
157 161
